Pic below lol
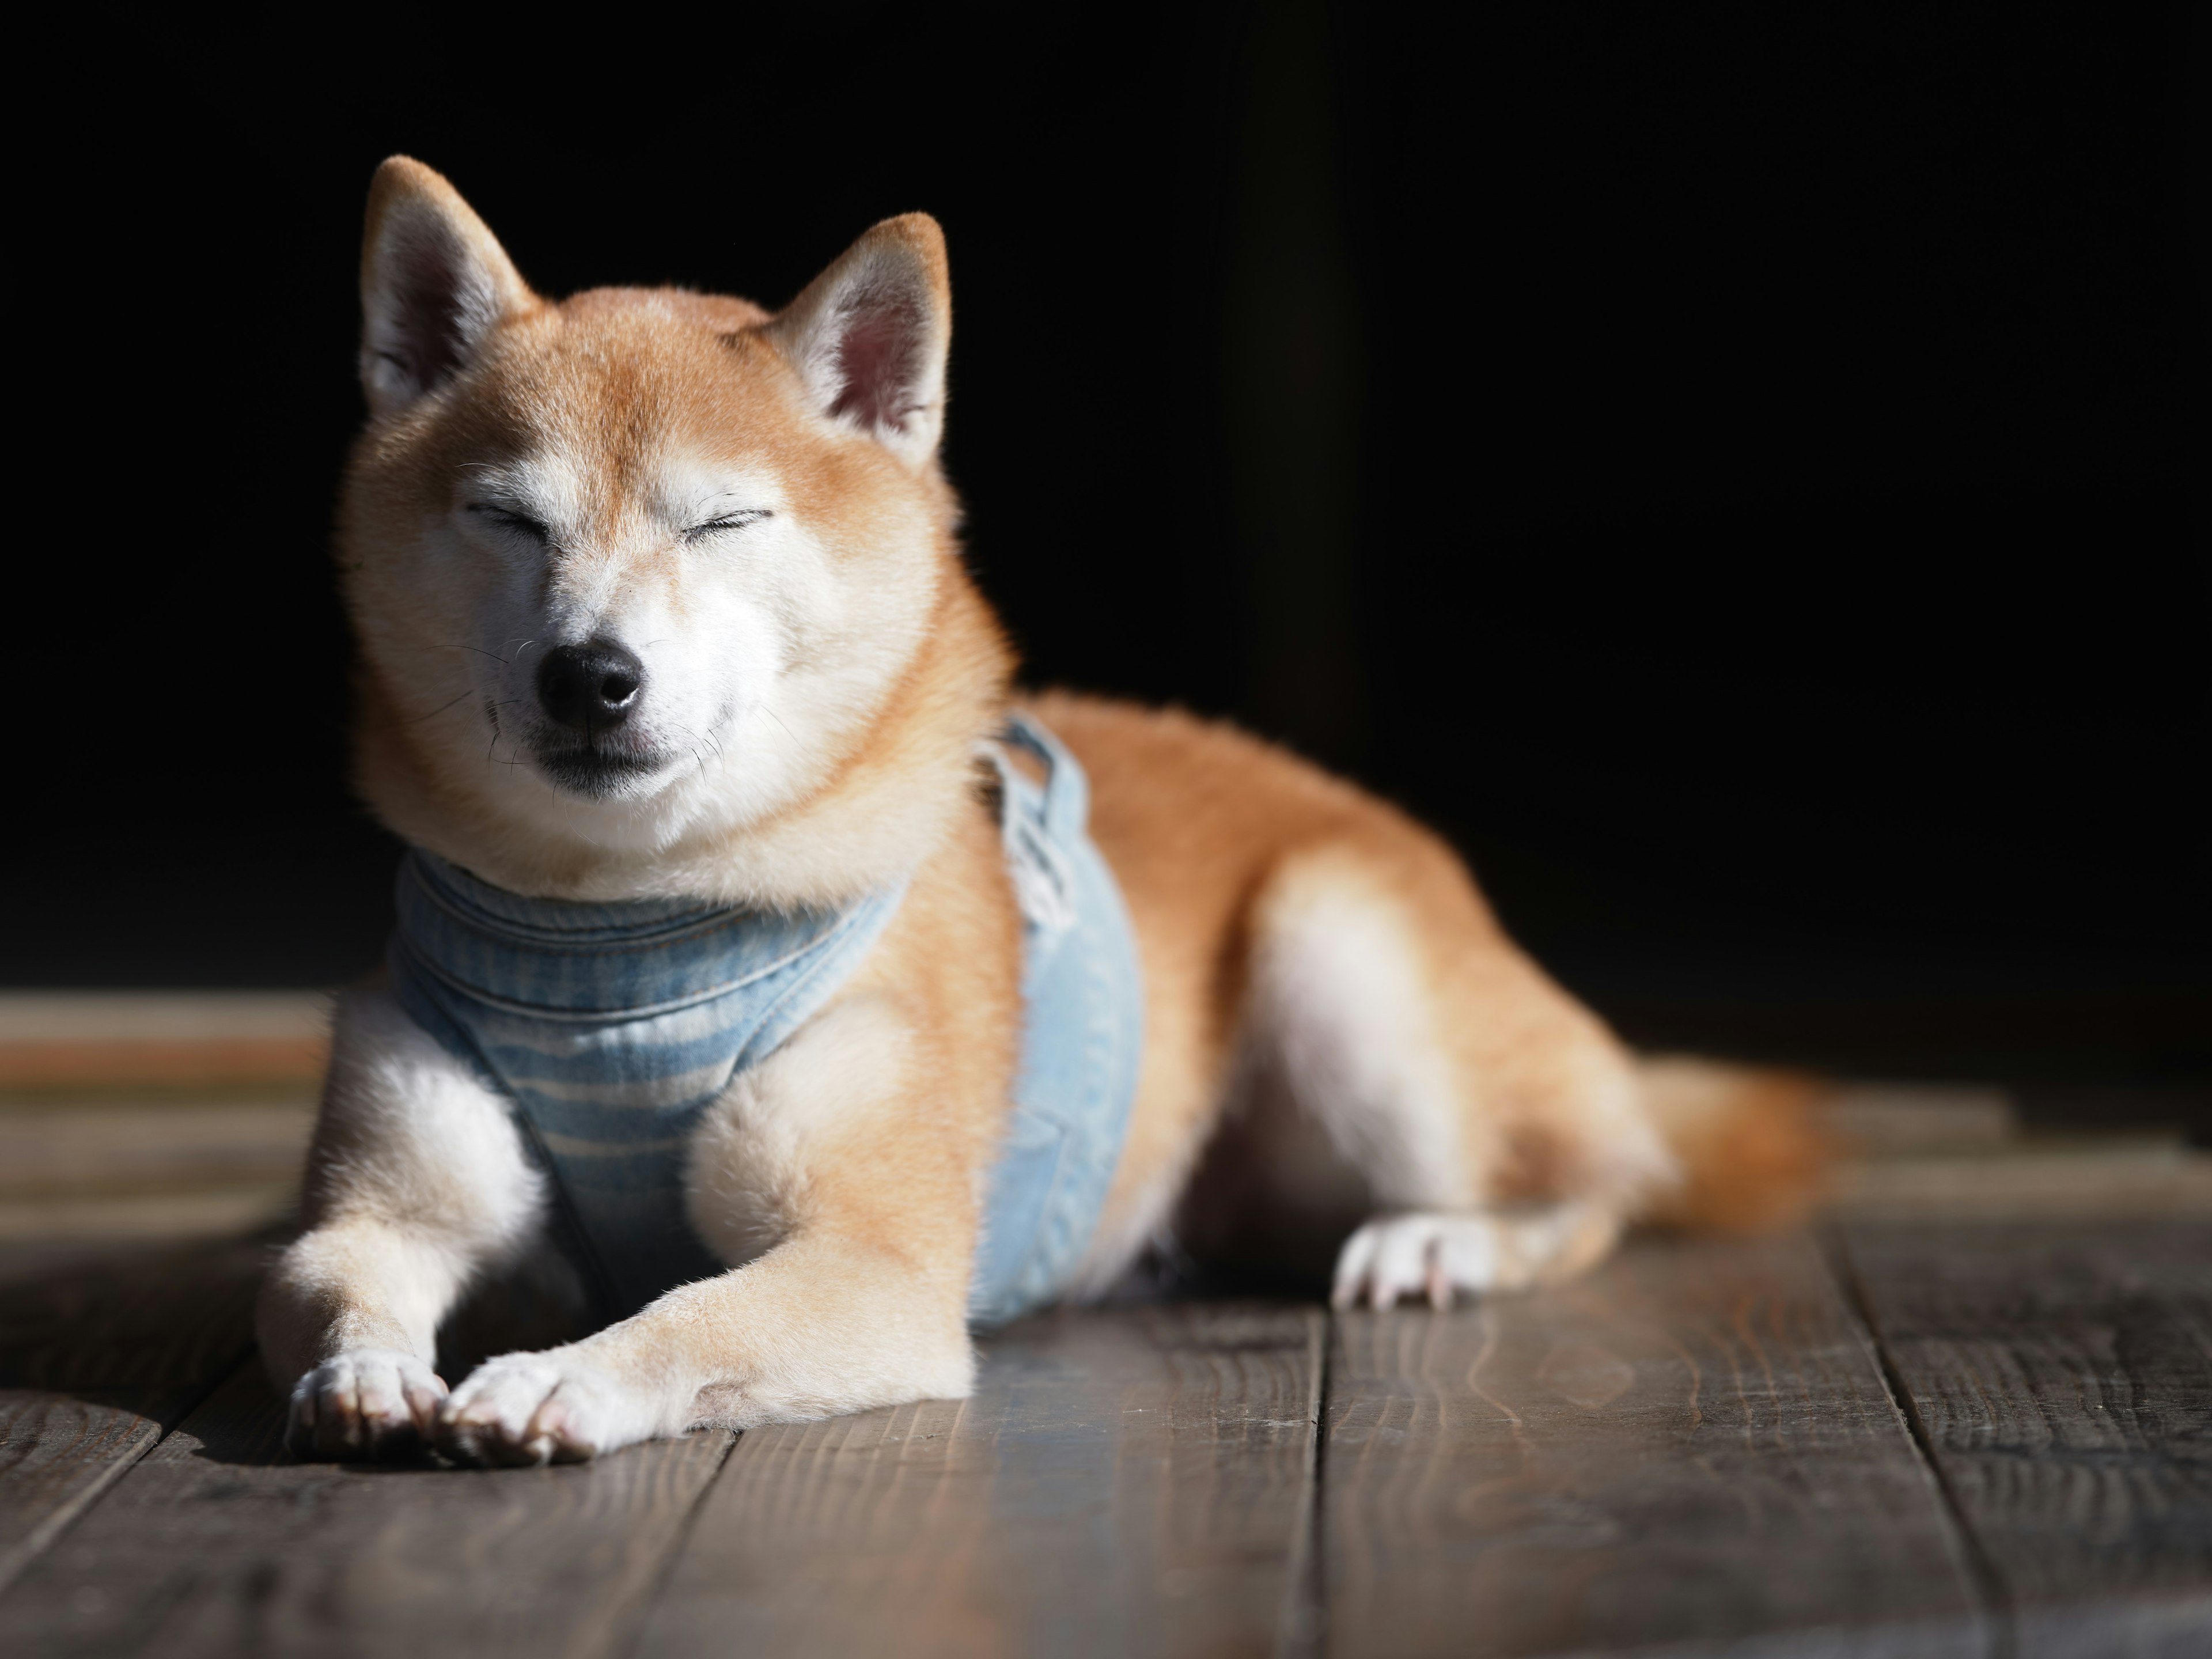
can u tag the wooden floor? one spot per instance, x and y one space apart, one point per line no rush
1945 1421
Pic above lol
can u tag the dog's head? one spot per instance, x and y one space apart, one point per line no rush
641 567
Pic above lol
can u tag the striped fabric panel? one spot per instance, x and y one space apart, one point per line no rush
610 1028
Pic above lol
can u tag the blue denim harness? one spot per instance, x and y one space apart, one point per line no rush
610 1028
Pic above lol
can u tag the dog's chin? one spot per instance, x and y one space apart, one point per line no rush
596 774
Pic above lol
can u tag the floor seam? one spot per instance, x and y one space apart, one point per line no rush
1304 1614
1989 1583
48 1533
649 1602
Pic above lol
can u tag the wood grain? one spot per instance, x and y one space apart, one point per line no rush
2061 1373
58 1453
98 1358
1131 1482
1692 1446
213 1544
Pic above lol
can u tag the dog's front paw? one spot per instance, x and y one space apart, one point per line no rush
551 1407
370 1403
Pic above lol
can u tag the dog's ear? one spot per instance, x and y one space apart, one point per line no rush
869 335
434 283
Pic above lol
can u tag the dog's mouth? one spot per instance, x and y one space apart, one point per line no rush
587 769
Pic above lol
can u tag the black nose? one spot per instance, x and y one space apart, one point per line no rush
591 687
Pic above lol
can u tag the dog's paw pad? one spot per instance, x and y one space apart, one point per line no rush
523 1408
367 1402
1417 1255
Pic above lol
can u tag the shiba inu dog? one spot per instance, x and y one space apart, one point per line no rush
721 960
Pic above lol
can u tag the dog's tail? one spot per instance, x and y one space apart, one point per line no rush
1752 1153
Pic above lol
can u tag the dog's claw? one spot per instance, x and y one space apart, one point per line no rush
538 1408
370 1403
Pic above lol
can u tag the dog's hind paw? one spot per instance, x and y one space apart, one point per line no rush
1405 1255
1503 1248
551 1407
370 1403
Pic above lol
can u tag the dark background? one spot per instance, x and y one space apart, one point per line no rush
1737 470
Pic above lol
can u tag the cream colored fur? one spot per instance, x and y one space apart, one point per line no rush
1338 1034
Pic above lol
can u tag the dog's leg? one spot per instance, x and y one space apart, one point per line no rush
833 1155
417 1182
1495 1126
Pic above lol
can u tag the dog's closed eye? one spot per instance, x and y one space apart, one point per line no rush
520 524
725 523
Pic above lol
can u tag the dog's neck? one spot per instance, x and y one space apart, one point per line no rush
887 800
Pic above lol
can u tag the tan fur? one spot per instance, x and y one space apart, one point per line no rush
1753 1155
1337 1031
1217 840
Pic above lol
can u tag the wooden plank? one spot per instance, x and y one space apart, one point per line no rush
94 1065
171 1164
98 1358
148 1218
107 1018
73 1039
215 1544
149 1319
58 1452
1692 1446
1127 1481
2038 1180
62 1149
1902 1119
2061 1372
